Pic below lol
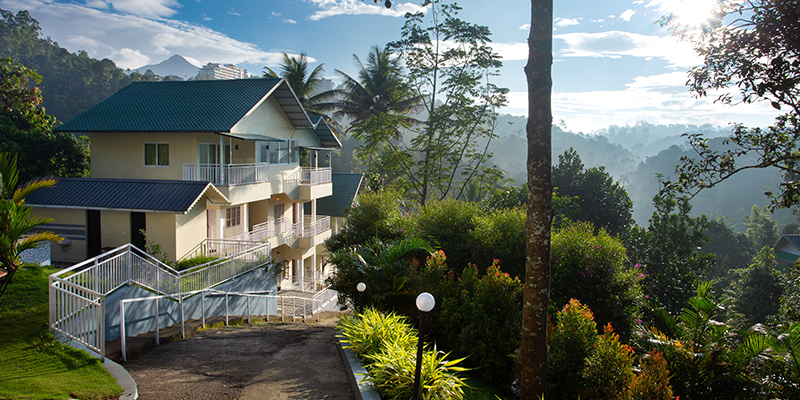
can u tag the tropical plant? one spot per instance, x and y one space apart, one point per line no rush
384 268
368 332
704 354
392 372
16 222
377 215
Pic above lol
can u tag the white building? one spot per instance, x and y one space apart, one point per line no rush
220 71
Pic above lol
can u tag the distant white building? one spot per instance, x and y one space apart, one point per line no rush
220 71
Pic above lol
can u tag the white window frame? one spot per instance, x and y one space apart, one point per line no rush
157 144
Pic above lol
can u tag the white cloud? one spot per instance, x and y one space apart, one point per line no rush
330 8
276 14
289 20
615 44
562 22
511 51
132 41
659 99
232 11
525 27
627 15
142 8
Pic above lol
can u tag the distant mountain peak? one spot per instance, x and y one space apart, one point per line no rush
176 65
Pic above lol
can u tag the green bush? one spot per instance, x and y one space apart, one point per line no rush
591 268
608 372
193 262
449 224
483 320
370 331
377 215
500 235
571 341
756 290
392 373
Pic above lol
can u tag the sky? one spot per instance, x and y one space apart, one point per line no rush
613 65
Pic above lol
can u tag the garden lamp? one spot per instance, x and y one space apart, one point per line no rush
361 287
425 303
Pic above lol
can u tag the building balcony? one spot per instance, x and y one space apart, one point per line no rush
227 174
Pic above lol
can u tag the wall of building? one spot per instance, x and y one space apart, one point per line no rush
115 229
76 251
268 119
161 229
190 229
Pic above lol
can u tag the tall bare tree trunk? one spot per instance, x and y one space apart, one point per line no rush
540 202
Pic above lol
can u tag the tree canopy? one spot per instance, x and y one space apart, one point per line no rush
751 53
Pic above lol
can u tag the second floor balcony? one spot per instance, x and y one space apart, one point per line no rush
227 174
241 174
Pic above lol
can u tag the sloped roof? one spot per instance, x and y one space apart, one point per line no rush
124 195
345 190
326 135
186 106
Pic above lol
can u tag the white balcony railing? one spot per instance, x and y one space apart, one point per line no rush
264 230
310 227
229 174
314 176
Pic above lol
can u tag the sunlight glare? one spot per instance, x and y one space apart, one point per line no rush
692 13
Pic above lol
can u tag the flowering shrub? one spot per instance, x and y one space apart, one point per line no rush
608 372
652 383
483 320
590 268
571 341
449 224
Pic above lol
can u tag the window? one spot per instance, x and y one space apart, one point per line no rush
156 154
284 152
233 216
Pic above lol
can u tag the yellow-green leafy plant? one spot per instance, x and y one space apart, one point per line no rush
368 332
392 373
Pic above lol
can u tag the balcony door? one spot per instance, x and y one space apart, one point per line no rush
208 158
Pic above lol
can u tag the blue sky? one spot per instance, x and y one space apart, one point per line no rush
612 63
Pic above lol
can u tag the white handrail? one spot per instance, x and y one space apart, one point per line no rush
227 174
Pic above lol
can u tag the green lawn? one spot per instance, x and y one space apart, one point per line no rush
33 365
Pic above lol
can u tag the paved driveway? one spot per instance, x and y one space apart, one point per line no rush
277 361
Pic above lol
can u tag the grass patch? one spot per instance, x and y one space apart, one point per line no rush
193 262
33 365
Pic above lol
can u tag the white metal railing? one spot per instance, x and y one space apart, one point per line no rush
77 293
221 247
227 174
264 230
310 227
323 298
314 176
291 306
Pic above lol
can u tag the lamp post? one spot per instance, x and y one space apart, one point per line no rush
425 303
361 288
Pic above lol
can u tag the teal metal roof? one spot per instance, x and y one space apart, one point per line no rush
124 194
345 190
324 132
186 106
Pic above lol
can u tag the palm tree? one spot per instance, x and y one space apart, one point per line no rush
295 71
379 89
16 221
